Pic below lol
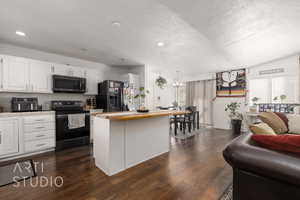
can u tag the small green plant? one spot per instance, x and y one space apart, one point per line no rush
233 110
282 97
142 93
161 82
255 100
275 99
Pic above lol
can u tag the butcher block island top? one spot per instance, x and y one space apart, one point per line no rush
138 115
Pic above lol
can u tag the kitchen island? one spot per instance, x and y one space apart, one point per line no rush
125 139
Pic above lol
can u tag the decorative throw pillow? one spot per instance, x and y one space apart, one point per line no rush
294 124
286 142
261 129
284 118
274 122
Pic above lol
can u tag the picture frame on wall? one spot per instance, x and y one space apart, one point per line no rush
231 83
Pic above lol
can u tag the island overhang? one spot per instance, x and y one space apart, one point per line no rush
137 115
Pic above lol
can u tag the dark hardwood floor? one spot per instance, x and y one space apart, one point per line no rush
193 169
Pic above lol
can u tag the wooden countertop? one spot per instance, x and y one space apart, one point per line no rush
137 115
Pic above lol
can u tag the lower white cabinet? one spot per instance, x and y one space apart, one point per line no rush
9 136
92 112
37 145
26 134
39 133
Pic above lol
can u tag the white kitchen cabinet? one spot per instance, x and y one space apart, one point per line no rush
92 79
40 76
67 70
23 134
33 76
92 117
39 132
60 69
9 136
15 74
77 71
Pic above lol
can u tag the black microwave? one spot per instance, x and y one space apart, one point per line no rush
69 84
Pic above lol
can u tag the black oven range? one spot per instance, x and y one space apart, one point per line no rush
72 124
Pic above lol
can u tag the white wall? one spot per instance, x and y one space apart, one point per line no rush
157 96
220 117
289 64
116 72
44 99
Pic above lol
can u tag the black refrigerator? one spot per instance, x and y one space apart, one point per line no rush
110 96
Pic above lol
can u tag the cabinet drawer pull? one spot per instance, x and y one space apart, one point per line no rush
40 136
39 145
39 120
40 127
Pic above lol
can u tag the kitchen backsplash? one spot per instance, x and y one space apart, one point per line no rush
44 99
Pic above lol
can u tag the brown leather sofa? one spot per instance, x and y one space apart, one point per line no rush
262 174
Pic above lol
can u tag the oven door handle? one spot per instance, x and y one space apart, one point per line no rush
66 115
61 116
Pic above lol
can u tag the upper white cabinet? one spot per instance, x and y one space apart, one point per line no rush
34 76
67 70
25 75
92 79
9 136
40 76
15 73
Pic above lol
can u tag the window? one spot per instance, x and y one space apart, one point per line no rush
267 89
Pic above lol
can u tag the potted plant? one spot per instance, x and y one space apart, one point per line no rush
141 96
161 82
235 116
282 98
275 99
253 108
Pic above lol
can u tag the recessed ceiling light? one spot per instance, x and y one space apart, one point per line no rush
20 33
116 24
160 44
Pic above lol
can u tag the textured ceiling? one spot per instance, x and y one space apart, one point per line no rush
201 36
250 32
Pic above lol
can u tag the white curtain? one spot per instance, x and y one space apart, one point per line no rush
201 94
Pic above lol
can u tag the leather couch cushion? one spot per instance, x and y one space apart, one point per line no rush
286 142
274 122
261 128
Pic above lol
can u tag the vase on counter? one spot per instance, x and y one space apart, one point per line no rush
141 96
